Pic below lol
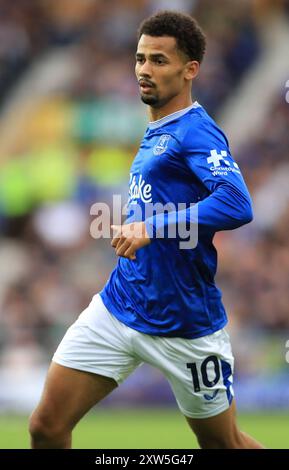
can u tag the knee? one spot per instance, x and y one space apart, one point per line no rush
39 427
43 429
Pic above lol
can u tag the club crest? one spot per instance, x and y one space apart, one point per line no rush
162 144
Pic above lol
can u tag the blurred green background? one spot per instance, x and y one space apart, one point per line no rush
145 429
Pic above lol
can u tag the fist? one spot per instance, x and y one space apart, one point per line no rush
129 238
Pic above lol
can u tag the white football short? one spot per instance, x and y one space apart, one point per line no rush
198 370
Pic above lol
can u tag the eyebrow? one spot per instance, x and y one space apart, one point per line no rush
157 55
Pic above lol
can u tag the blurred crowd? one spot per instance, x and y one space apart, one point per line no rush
50 265
30 27
257 282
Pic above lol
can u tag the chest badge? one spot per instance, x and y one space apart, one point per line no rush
162 144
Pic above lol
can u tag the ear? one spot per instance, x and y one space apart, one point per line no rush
192 70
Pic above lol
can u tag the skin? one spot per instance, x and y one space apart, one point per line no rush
165 76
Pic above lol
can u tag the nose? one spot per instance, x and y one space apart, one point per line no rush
144 70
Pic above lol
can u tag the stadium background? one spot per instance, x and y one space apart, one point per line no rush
70 124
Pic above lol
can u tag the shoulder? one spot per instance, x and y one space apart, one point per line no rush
200 131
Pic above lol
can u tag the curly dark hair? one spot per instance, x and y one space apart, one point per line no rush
188 34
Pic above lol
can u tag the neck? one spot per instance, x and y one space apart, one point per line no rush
175 104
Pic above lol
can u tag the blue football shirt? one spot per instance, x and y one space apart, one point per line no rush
168 290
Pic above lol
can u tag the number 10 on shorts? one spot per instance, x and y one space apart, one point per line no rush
203 372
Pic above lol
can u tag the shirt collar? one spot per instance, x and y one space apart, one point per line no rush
171 117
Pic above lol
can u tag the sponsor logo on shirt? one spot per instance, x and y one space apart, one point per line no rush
223 169
162 144
139 189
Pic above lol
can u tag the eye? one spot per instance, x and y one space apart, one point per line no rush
140 60
160 61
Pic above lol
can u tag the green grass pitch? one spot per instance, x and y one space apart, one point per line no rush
145 429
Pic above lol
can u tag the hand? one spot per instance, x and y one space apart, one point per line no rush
128 238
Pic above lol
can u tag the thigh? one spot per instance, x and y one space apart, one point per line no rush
202 382
219 431
98 343
92 359
69 394
198 370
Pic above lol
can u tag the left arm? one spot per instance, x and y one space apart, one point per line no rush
228 205
226 208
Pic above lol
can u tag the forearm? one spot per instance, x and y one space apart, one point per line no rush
225 209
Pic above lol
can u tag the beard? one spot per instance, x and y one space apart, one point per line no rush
154 100
150 100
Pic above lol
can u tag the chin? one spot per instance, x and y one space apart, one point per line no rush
150 100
